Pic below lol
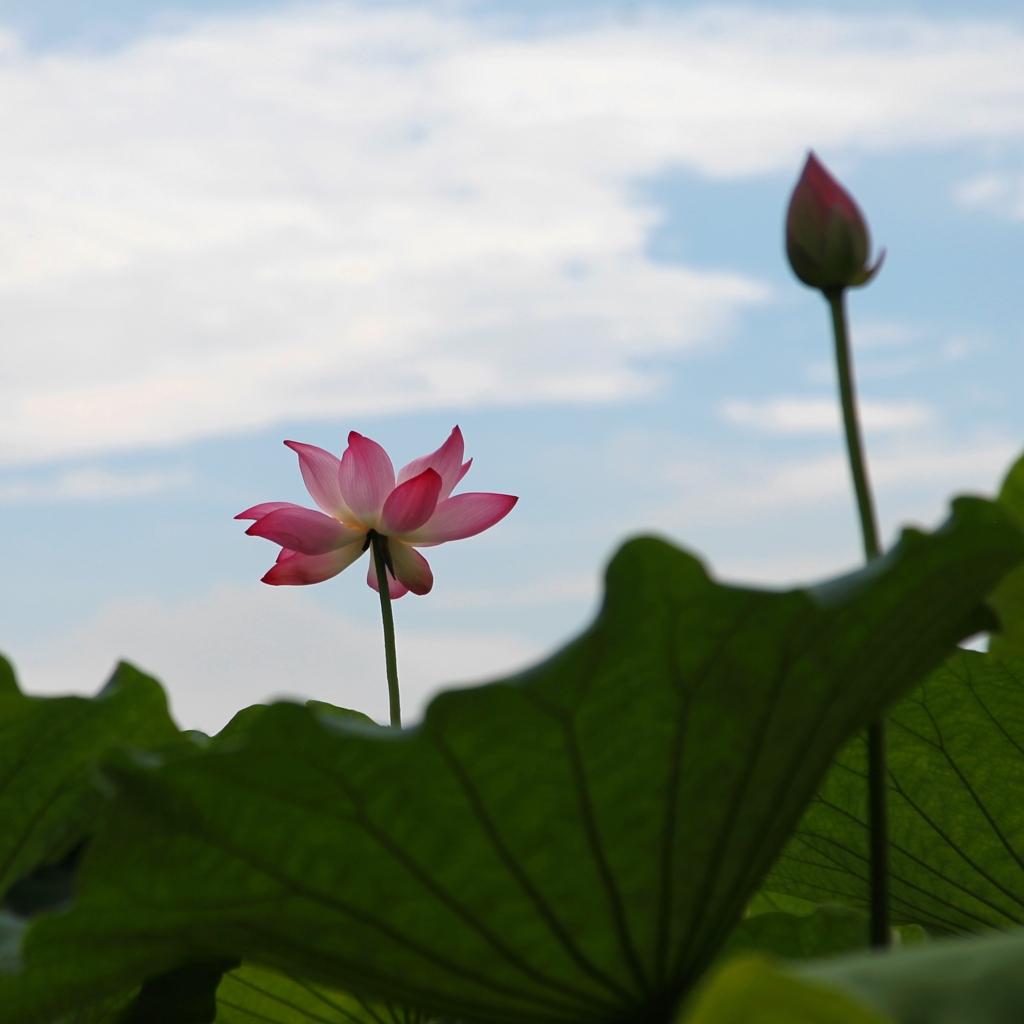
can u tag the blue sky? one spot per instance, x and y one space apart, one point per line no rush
559 226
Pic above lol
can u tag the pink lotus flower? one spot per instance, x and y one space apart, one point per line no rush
360 495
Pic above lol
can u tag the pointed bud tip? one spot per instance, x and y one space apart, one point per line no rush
827 238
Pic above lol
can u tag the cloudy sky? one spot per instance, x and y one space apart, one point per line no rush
224 224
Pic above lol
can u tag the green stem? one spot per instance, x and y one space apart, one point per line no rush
380 561
878 811
854 446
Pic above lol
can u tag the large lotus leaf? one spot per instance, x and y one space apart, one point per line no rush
573 844
956 817
49 749
978 980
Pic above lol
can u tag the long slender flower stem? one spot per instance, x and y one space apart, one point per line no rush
380 561
878 811
854 445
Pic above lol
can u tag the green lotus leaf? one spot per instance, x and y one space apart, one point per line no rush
570 845
956 818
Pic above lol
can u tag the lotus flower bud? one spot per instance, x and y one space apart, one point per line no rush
826 237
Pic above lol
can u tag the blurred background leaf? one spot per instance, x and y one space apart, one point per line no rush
979 980
750 990
49 749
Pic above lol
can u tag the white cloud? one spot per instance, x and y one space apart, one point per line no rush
241 645
335 210
960 347
89 484
999 193
911 478
821 415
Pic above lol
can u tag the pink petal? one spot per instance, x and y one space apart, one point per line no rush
298 570
366 478
259 511
410 567
463 472
303 530
395 589
465 515
411 504
447 461
320 471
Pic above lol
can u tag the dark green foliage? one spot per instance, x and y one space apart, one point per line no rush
574 844
182 995
49 887
49 802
